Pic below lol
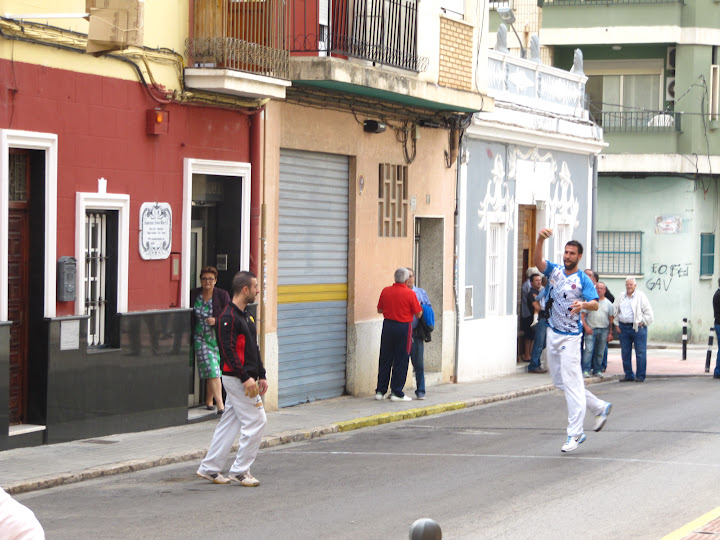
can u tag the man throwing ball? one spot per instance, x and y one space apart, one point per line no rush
570 291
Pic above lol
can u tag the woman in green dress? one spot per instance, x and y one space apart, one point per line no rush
207 303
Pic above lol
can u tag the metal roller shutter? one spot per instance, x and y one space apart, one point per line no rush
312 276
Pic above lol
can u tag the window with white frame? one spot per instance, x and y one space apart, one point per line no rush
495 263
102 238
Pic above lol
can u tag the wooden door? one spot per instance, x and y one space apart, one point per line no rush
18 276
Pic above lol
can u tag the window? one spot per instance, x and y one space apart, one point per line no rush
619 252
495 279
393 204
563 234
625 94
100 275
707 254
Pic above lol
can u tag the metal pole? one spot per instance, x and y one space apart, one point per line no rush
709 351
684 339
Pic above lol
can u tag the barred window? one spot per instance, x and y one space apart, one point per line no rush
495 259
393 203
619 252
707 254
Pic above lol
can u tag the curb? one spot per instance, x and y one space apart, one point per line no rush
273 441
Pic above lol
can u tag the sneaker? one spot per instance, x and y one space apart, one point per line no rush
398 398
247 479
572 443
215 478
586 374
598 374
602 418
379 396
420 396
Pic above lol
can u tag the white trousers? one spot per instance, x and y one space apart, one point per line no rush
564 359
244 415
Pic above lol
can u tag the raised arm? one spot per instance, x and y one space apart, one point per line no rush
538 259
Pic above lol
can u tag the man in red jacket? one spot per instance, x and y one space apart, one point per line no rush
244 381
398 305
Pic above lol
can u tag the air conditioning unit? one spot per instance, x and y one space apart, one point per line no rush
670 89
670 58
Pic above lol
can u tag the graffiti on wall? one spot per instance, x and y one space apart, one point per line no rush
664 274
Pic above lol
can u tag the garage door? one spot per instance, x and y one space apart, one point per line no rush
312 276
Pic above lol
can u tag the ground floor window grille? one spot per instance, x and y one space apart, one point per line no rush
563 234
495 271
95 276
619 252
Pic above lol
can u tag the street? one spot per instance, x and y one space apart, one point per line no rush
494 471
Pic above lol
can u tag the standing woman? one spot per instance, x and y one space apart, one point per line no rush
207 304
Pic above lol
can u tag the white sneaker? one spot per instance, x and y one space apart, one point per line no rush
247 479
573 442
215 478
379 396
602 418
398 398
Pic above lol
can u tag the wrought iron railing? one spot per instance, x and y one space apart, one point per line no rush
559 3
381 31
617 119
251 36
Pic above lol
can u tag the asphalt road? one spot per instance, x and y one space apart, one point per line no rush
488 472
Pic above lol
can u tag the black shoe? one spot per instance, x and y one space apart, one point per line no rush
716 376
626 379
537 370
639 380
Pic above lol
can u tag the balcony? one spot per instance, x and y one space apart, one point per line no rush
536 86
367 54
384 32
239 47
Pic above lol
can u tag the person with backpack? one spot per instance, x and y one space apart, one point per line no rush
422 330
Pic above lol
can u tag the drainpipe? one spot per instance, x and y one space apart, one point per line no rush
256 139
593 223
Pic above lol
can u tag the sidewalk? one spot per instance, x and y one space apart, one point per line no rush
30 469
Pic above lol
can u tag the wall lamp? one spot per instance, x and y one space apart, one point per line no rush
507 16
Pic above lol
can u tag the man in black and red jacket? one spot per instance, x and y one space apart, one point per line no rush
244 381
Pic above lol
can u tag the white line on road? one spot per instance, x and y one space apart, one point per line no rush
501 456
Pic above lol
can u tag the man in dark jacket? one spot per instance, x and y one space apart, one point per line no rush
244 381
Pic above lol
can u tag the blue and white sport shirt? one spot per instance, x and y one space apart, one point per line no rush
564 290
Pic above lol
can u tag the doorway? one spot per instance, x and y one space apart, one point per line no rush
428 263
216 232
527 215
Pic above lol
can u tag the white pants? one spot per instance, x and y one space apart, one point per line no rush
564 363
244 415
17 521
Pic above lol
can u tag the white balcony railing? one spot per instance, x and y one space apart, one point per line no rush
536 86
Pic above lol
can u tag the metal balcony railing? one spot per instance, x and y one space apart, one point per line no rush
242 35
615 119
559 3
380 31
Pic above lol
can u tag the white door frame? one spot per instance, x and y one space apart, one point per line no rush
217 168
30 140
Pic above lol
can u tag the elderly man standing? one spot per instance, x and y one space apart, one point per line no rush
633 314
598 331
398 305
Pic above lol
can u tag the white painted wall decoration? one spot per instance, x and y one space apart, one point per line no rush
498 205
563 205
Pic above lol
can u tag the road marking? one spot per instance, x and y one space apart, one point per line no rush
682 532
507 456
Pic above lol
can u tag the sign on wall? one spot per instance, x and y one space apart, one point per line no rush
155 231
668 224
